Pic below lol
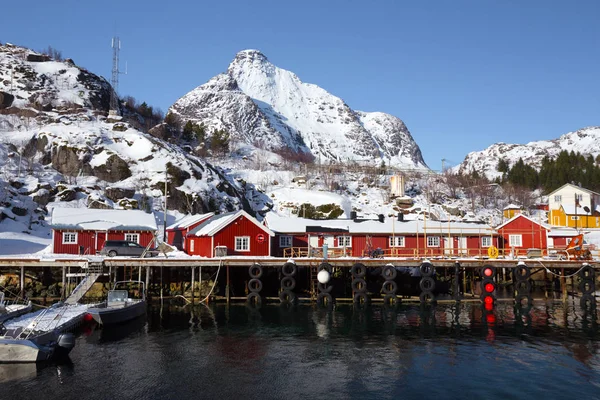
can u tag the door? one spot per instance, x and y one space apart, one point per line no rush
448 246
462 246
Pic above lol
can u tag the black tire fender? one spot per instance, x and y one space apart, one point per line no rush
289 269
358 270
255 285
255 271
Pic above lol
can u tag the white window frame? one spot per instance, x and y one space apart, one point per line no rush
286 241
574 217
397 241
557 198
579 197
344 241
128 237
433 241
515 240
69 238
242 243
192 245
486 241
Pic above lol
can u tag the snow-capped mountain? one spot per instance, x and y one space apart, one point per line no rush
585 141
268 107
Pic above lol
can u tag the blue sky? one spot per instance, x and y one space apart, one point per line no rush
462 74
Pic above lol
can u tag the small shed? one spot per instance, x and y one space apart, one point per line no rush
232 234
177 232
511 210
84 231
522 233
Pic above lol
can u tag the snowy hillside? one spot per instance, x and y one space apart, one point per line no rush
268 107
585 141
58 148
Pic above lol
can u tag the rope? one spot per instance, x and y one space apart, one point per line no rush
563 276
214 282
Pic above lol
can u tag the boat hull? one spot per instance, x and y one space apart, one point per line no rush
23 351
115 315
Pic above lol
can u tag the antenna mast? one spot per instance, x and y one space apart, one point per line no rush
114 80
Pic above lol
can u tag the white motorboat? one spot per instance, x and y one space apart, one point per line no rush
12 308
40 336
119 307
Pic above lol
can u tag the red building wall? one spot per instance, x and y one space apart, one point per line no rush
92 241
533 235
241 226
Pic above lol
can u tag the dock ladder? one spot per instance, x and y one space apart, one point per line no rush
93 272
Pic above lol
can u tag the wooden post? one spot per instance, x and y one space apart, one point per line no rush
193 282
63 291
563 282
227 286
147 279
23 281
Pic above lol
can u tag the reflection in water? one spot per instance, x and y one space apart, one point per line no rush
273 352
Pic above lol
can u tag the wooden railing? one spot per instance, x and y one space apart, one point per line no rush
433 252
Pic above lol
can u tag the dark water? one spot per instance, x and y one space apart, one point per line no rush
445 352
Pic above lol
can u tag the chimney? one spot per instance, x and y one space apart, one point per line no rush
400 217
381 218
352 215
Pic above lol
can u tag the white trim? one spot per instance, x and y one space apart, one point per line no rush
347 241
291 241
394 241
487 239
227 221
516 238
68 235
435 241
137 235
243 238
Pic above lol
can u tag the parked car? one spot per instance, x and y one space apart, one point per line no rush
124 248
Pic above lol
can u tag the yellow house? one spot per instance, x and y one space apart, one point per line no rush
574 206
570 216
511 210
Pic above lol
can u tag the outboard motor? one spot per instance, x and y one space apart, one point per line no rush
65 343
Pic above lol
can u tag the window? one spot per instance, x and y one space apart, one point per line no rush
486 241
242 243
344 241
557 198
433 241
515 240
132 237
192 246
396 241
574 218
579 197
285 241
69 237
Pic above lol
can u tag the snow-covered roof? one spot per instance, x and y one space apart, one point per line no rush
570 209
189 220
512 207
217 222
102 220
283 225
575 187
563 232
542 224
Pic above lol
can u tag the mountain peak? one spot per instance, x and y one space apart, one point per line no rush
251 55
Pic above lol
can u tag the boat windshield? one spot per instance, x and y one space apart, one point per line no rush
117 295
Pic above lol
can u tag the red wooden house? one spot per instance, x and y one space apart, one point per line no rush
231 234
177 232
84 231
359 238
521 233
